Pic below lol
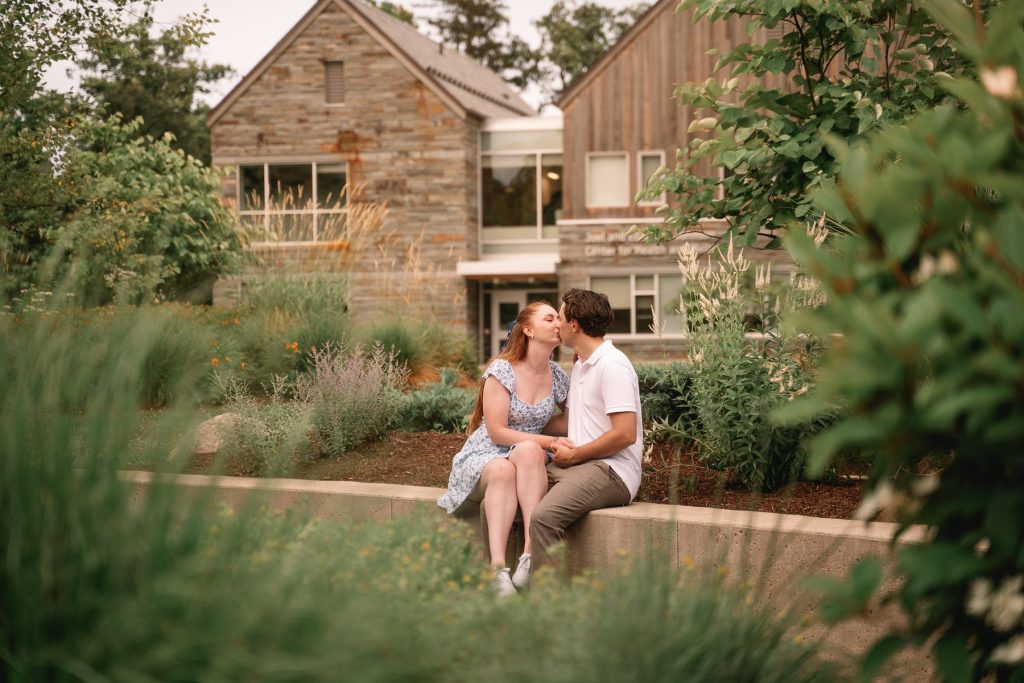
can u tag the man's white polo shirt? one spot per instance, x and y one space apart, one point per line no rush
603 384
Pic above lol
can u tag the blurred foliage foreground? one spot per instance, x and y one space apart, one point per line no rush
94 586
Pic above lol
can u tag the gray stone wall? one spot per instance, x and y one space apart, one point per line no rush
404 147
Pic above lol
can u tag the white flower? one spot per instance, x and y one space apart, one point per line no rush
947 263
1000 82
1011 652
1007 605
762 277
883 496
818 231
979 597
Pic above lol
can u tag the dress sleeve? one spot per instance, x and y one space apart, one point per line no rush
560 383
502 371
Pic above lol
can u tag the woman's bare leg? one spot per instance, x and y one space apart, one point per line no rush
499 483
531 482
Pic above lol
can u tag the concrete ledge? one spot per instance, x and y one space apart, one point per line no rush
774 551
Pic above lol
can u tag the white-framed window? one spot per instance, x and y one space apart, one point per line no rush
334 82
520 185
607 180
647 163
635 298
294 201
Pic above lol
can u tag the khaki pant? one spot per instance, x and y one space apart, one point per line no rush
574 491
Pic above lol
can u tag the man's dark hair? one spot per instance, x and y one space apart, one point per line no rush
590 309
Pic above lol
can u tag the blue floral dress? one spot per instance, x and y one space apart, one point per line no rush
522 417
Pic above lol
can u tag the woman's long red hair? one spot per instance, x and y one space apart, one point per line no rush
515 350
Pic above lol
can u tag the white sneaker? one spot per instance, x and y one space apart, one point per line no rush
521 576
503 583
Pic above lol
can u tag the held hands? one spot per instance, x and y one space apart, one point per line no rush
564 452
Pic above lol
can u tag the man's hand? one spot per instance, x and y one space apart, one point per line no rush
564 452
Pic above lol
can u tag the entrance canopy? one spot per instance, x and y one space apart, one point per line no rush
518 267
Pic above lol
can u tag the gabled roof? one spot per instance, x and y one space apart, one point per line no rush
462 83
602 62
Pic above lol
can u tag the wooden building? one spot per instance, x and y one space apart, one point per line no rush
488 205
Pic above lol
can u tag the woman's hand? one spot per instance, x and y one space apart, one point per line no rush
565 452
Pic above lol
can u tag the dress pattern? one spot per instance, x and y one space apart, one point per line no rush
479 450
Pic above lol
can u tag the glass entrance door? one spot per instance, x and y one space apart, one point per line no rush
505 306
504 309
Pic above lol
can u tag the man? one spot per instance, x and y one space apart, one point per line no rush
598 465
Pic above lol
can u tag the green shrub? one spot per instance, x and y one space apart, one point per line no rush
666 395
282 320
397 339
422 344
353 396
176 366
148 220
927 293
439 407
270 437
444 346
101 584
738 378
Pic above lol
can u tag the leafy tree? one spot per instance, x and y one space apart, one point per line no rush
831 68
479 29
926 292
147 219
394 9
137 72
34 123
574 34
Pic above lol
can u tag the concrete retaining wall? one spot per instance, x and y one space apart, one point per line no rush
776 551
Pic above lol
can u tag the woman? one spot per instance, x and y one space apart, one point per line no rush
503 461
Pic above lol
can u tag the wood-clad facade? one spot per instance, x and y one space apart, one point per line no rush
625 102
622 117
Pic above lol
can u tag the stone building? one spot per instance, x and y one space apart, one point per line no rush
458 202
353 147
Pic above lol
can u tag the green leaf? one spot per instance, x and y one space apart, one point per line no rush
1008 231
955 18
951 656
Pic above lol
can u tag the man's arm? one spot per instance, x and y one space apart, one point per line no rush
621 435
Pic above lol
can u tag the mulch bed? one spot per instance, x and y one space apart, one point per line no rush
670 476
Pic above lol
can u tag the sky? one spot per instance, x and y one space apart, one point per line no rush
248 29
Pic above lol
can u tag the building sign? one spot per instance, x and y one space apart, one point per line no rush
614 243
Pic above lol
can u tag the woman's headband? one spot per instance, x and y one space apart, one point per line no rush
508 336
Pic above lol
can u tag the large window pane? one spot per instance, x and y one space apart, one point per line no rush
550 188
251 188
509 190
617 290
291 186
331 226
330 186
520 140
644 314
607 180
649 163
670 288
289 227
255 227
